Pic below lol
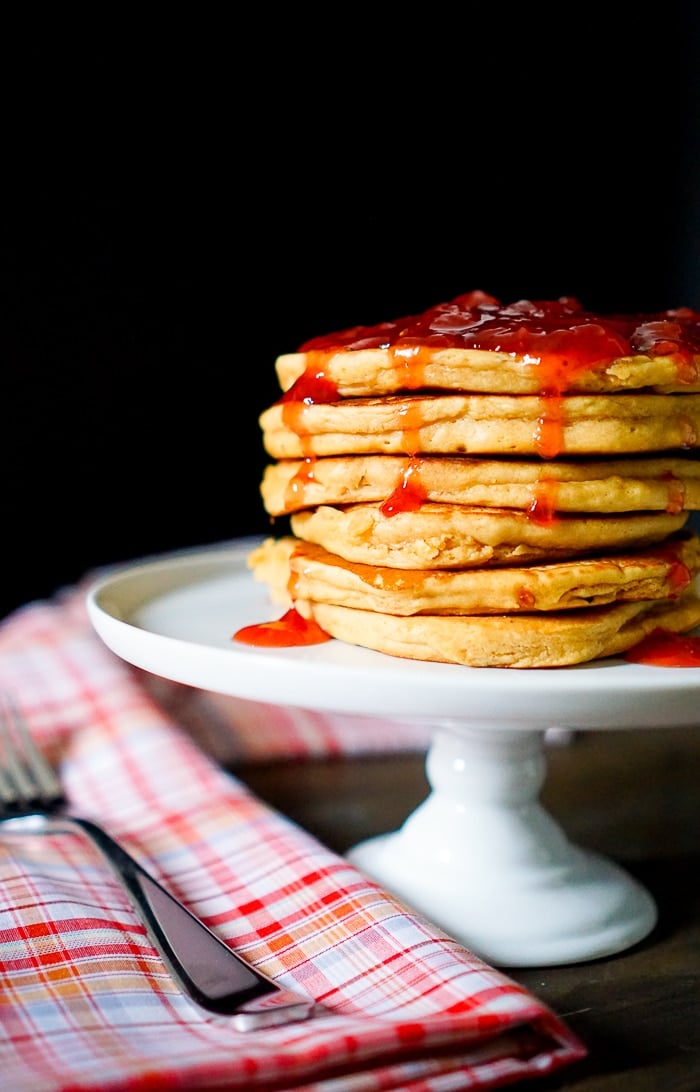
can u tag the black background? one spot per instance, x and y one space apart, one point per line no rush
181 205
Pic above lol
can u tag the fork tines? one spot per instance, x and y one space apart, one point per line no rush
26 779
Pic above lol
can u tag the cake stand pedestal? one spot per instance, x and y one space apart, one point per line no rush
482 859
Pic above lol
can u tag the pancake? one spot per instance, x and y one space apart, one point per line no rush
484 424
297 570
667 484
476 342
370 372
537 640
446 536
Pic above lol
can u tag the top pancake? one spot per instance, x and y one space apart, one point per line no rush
363 372
475 343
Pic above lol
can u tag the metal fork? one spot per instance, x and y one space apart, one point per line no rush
213 976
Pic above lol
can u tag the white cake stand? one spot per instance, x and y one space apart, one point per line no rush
480 857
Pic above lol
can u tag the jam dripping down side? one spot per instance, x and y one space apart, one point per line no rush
312 385
409 494
543 506
299 481
679 575
676 494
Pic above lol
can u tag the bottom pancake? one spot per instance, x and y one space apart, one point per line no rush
559 639
293 569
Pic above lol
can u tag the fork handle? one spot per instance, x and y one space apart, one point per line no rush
214 976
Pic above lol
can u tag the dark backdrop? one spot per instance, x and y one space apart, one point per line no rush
181 207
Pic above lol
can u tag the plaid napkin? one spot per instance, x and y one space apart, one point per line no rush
85 1000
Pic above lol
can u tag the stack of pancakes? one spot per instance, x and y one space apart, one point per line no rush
489 484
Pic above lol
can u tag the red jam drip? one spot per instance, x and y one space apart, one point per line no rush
550 426
675 502
526 598
412 423
679 575
293 419
311 386
296 486
409 494
543 508
287 632
662 648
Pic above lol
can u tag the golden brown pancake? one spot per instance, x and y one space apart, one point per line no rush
447 536
484 424
665 484
370 372
297 570
537 640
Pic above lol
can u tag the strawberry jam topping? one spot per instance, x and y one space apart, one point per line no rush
560 330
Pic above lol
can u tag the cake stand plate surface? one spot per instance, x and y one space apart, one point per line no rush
480 857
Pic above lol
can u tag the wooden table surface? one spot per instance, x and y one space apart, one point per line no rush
631 795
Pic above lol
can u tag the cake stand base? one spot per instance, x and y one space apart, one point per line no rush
483 860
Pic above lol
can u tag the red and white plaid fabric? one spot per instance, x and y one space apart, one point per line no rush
85 1000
